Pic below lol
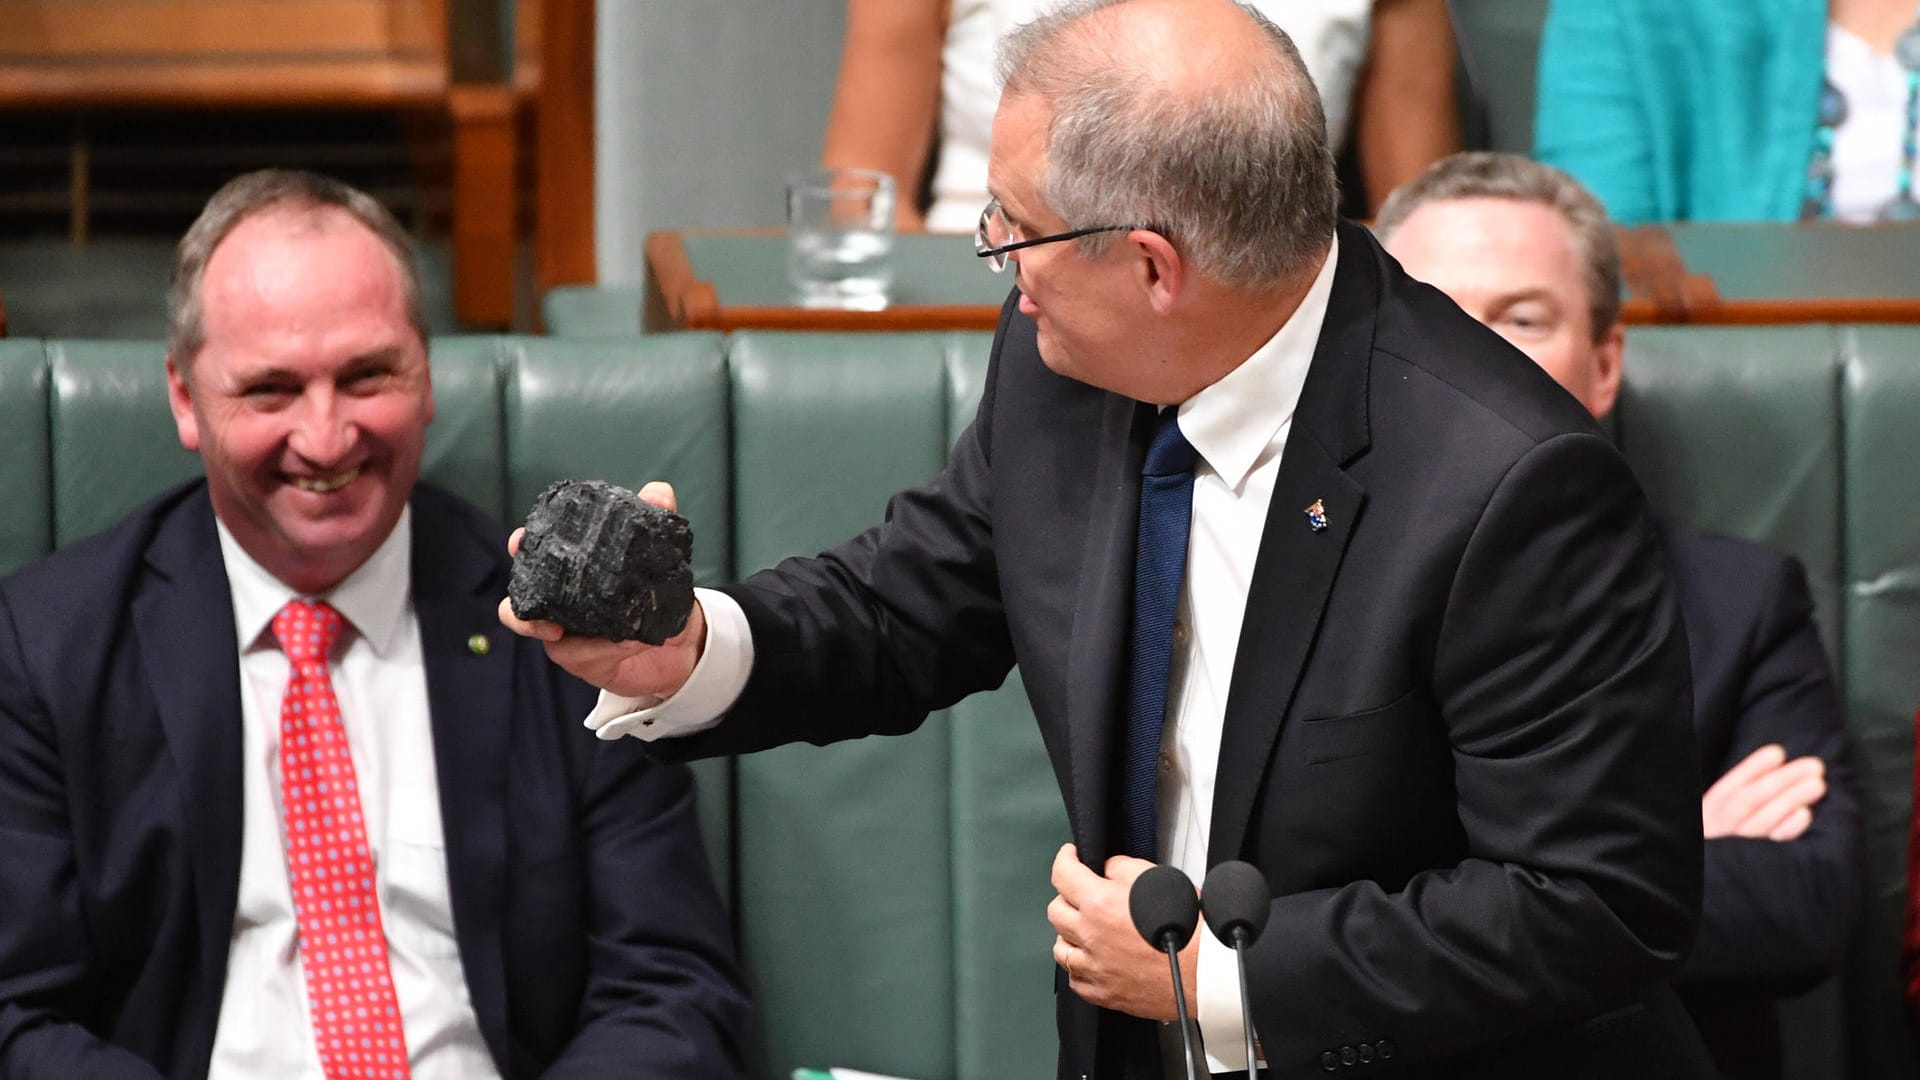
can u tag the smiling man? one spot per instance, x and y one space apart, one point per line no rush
1300 565
1527 250
259 745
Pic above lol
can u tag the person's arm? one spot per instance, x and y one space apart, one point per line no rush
1778 912
46 962
1405 114
871 636
886 103
1587 118
1560 681
664 996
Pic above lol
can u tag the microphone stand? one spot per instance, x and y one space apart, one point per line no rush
1165 910
1236 900
1188 1037
1240 942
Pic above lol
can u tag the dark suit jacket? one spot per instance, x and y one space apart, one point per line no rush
590 932
1776 916
1456 740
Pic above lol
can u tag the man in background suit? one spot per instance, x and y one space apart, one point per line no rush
1300 565
274 802
1527 250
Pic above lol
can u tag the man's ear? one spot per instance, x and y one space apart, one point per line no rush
1160 272
180 400
1609 356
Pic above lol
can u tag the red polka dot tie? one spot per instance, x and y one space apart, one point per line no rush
343 946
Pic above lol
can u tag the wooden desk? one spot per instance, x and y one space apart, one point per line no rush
1684 273
1753 274
737 279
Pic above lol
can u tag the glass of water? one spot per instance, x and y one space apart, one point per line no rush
840 238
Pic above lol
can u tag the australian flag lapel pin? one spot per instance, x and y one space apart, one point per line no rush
1317 516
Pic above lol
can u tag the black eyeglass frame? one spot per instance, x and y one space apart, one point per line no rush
996 256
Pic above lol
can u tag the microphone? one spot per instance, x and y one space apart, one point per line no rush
1236 900
1165 912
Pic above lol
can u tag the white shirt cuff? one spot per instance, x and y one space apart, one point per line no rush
710 690
1217 989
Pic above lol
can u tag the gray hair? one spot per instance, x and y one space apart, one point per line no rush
256 193
1484 175
1239 177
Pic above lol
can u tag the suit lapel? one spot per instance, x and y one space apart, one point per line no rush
456 587
1297 564
183 619
1097 650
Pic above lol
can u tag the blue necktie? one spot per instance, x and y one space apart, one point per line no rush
1159 560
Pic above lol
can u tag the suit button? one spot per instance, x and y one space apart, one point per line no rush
1181 634
1366 1053
1349 1056
1384 1048
1329 1061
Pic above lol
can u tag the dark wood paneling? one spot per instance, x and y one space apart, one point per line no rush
564 146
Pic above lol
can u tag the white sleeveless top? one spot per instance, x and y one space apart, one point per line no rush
1866 146
1330 34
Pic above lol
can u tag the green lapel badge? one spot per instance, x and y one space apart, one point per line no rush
478 645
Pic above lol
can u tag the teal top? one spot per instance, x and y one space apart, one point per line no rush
1683 110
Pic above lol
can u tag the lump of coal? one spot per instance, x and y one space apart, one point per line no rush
601 563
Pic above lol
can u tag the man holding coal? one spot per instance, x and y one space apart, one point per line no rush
1300 565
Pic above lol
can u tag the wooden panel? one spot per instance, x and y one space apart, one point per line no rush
1864 309
55 31
229 53
677 299
476 51
563 153
296 53
485 165
205 82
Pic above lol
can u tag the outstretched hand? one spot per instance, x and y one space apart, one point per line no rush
630 669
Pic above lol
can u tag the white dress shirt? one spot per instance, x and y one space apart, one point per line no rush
1239 425
380 679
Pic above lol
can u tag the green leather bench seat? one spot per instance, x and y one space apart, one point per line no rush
1733 431
890 893
593 310
1880 529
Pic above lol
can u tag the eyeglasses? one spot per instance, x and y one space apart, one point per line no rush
994 238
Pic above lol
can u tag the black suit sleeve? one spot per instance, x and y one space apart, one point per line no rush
47 976
1561 684
664 997
1778 914
870 637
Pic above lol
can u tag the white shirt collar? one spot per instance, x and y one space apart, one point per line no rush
1232 422
374 598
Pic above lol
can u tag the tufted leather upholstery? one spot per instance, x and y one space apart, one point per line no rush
890 893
